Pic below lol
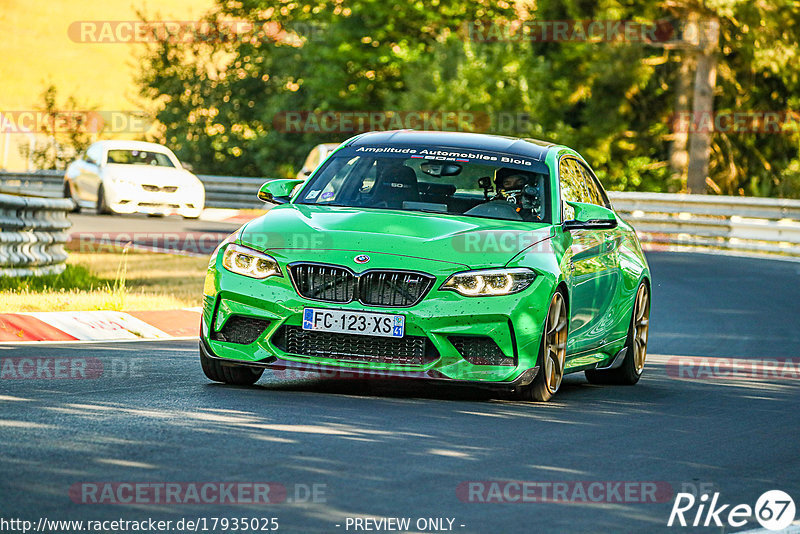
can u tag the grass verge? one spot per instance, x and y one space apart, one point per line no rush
110 281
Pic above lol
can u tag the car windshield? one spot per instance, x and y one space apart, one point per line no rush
139 157
496 187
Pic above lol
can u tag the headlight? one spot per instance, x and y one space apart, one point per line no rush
489 282
249 262
230 239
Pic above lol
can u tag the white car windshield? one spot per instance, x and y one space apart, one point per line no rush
467 186
139 157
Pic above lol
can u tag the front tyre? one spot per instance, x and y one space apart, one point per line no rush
552 353
68 193
636 344
238 376
102 203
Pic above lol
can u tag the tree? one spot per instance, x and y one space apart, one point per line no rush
69 129
219 100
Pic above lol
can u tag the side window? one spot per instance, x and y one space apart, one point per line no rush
327 187
93 154
571 182
592 192
596 191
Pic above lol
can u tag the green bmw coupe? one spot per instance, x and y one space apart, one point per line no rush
456 258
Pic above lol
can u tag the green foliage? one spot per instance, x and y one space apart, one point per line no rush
73 277
64 143
220 102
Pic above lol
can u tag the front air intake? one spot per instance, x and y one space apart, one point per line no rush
480 350
241 330
408 350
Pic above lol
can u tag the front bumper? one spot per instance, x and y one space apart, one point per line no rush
513 322
299 369
185 201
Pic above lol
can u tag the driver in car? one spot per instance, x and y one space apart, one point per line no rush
518 187
505 184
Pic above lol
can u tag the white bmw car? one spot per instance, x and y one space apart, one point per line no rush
133 177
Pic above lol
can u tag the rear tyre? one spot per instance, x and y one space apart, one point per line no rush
102 205
68 194
552 353
238 376
632 366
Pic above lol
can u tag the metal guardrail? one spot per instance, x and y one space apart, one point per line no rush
32 235
221 191
741 224
744 224
48 184
232 191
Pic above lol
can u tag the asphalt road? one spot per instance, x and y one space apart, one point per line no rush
142 223
169 234
402 450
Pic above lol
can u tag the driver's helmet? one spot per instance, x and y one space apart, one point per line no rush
509 181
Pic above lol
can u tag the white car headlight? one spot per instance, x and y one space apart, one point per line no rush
489 282
248 262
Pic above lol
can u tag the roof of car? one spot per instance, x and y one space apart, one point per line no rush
532 148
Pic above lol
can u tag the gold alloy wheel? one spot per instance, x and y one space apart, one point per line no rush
641 324
555 343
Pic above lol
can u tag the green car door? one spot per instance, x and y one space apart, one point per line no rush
592 263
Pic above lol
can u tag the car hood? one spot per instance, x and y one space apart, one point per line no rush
333 234
150 174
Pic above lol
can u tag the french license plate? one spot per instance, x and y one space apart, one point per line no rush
354 322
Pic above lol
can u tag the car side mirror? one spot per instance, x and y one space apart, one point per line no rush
590 217
278 191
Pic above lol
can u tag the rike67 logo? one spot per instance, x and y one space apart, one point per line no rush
774 510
